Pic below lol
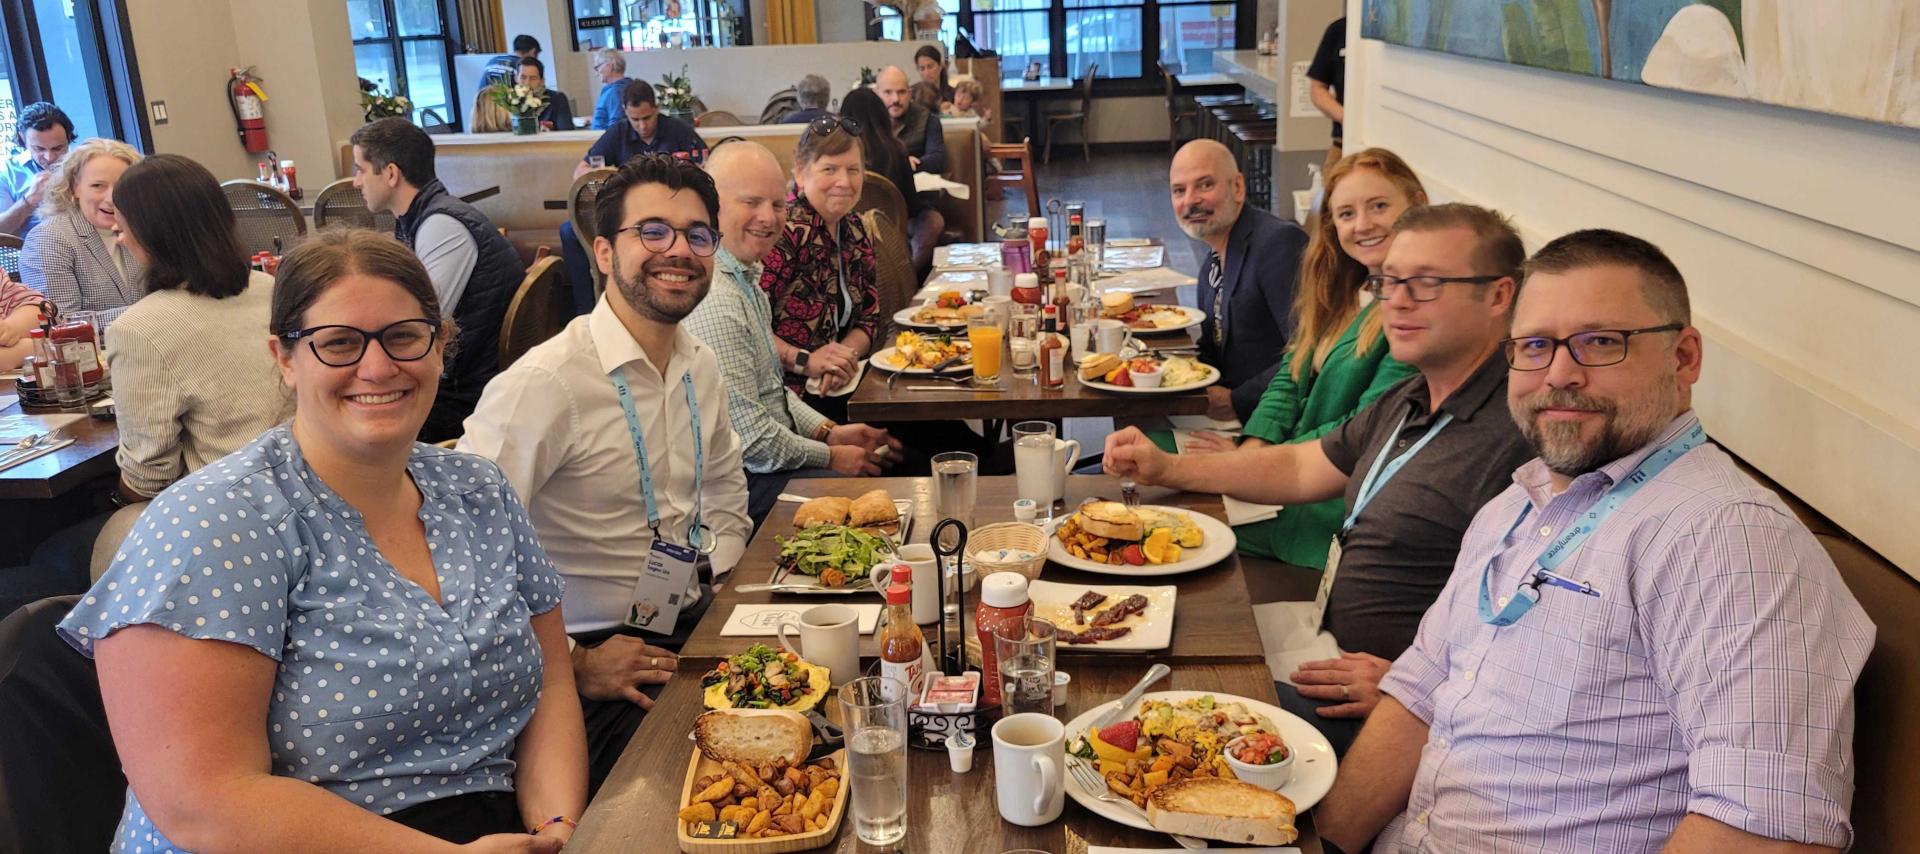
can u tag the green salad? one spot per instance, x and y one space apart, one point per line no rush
836 554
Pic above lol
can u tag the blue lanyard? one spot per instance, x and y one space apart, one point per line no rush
1378 475
1570 540
698 535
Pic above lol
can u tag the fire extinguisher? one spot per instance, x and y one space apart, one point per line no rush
246 98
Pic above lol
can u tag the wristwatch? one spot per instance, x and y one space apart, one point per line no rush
800 359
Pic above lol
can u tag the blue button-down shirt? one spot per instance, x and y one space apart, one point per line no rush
16 178
607 109
382 696
1713 674
622 143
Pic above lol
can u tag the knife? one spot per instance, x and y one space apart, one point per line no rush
1107 719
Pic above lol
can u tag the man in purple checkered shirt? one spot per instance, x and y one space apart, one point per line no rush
1684 680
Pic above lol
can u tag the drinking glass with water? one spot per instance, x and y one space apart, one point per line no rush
1025 652
875 710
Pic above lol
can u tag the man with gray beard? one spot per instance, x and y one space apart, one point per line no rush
1640 649
1246 281
616 435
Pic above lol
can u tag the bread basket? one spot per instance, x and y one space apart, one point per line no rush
990 549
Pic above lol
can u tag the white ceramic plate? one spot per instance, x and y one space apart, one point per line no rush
1213 376
1216 544
1313 769
904 317
889 360
1152 628
1194 318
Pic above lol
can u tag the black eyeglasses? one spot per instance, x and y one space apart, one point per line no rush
828 124
1596 349
339 346
658 236
1421 288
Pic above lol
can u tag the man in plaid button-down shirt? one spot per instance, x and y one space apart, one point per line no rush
1697 695
780 435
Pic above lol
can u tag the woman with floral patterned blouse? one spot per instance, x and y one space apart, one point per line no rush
820 275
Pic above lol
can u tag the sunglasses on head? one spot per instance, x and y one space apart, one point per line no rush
828 124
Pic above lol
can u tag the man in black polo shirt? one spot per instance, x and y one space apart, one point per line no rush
1329 75
1415 466
645 131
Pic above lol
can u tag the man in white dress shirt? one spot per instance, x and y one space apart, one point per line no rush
556 424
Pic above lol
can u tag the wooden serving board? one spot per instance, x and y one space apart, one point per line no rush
701 766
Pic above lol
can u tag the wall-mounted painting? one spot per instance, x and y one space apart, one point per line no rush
1858 58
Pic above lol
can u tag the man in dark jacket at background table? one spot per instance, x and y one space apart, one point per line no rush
1246 281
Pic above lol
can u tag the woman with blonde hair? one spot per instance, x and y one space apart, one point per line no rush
1337 361
74 256
489 117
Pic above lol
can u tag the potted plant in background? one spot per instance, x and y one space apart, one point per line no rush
675 94
379 105
523 104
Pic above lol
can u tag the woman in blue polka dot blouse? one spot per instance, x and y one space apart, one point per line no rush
337 639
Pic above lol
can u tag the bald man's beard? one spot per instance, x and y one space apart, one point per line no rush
1218 221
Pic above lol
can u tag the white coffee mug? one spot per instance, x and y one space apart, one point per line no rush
1029 757
829 637
926 574
1110 335
1066 452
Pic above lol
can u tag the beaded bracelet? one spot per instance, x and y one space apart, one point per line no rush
558 819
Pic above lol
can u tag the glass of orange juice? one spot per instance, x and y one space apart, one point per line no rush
984 334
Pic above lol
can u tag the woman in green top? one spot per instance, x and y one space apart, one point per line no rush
1337 362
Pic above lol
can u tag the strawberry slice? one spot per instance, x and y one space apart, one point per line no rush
1124 735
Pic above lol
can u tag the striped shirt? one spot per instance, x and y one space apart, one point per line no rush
736 322
1713 675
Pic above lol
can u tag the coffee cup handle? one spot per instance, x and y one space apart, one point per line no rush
782 633
1073 454
1049 781
880 576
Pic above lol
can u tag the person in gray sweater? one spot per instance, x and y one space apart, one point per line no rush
193 377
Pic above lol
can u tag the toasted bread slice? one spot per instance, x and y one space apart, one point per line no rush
1110 519
1095 366
753 736
1227 810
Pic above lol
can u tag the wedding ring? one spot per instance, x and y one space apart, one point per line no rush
654 664
1345 694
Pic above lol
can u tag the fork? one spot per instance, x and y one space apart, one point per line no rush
1090 780
28 444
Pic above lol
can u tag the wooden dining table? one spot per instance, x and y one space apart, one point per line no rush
1226 635
1215 648
90 456
921 398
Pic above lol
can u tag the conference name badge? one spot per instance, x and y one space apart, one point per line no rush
661 591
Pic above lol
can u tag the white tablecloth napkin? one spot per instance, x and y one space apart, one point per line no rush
1107 849
763 621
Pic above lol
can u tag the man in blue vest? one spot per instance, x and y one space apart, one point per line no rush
474 270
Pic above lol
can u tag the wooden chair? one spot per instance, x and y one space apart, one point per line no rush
1080 116
1175 112
341 204
10 255
586 189
878 193
265 219
892 263
539 310
1007 154
717 119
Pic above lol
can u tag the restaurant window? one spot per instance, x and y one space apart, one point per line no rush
73 53
1124 37
888 25
656 24
405 47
